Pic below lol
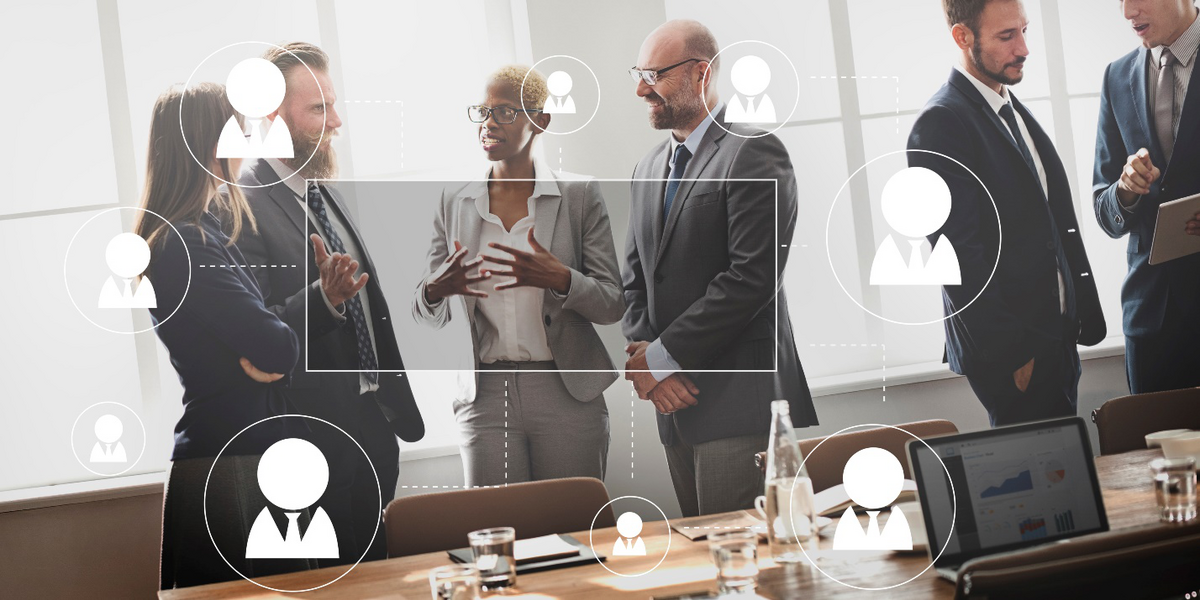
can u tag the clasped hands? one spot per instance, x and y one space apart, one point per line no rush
676 392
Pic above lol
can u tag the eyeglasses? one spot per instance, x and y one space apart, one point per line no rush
650 76
503 114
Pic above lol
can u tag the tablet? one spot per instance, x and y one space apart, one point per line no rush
1170 239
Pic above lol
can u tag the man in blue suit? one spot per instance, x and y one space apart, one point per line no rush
1147 153
1016 341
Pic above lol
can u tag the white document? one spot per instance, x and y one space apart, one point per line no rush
543 547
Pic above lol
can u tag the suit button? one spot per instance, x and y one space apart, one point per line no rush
658 279
547 320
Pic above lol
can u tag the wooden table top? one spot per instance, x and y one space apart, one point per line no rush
1128 498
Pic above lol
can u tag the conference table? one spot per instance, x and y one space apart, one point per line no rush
1124 478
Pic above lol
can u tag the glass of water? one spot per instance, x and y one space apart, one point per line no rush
735 552
454 582
1175 487
493 551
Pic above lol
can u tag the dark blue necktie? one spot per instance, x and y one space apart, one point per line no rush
1006 112
682 156
366 353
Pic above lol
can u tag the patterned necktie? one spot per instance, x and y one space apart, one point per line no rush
682 156
366 352
1164 104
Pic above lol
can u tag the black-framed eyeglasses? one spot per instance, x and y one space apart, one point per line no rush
503 114
650 76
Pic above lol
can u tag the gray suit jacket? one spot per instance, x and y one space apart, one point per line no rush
708 281
572 222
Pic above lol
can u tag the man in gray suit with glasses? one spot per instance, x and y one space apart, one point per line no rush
710 338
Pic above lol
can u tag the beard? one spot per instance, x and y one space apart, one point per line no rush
323 161
677 112
999 77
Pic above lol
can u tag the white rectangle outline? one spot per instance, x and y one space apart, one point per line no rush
401 372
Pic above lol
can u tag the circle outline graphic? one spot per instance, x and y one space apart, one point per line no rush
592 543
595 109
183 134
999 233
953 500
140 452
782 122
204 503
186 252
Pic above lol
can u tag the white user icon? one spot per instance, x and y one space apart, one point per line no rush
293 475
629 528
127 256
256 88
873 478
915 203
559 85
750 76
109 449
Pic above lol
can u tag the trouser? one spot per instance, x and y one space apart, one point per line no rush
716 476
189 555
1167 361
526 426
1053 389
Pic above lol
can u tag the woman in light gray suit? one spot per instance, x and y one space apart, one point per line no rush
531 254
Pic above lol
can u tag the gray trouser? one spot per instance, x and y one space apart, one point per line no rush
716 476
526 426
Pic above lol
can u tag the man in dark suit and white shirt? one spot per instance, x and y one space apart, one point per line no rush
702 278
1016 342
1148 153
344 330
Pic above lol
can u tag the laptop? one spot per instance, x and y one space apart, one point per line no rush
1016 487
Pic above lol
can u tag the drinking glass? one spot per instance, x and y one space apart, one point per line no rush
1175 487
493 551
735 552
455 582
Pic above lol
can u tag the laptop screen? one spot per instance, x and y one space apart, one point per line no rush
1016 487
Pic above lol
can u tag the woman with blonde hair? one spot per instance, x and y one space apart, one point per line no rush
231 353
530 253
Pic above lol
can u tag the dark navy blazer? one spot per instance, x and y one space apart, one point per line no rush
221 319
1154 296
1017 315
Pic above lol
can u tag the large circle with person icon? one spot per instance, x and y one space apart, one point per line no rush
107 270
264 124
919 266
272 505
759 85
874 484
572 94
108 438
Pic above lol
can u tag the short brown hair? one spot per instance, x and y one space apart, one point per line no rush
966 12
288 56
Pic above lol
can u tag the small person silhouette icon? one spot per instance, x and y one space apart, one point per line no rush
629 527
915 203
293 475
750 76
873 478
127 256
109 449
255 88
559 84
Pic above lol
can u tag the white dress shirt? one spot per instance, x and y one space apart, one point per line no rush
296 184
512 318
997 102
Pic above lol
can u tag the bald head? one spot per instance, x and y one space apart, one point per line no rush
684 38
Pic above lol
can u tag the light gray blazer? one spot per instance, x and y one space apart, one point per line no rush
571 220
707 281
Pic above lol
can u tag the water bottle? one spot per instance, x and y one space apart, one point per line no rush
790 510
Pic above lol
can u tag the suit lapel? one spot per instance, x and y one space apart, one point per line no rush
1141 105
967 88
710 144
1189 116
468 224
652 206
282 196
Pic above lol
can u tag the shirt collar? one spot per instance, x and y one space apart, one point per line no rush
994 100
692 143
1185 47
296 184
543 186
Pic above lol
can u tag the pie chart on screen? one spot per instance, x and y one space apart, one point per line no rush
1055 472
